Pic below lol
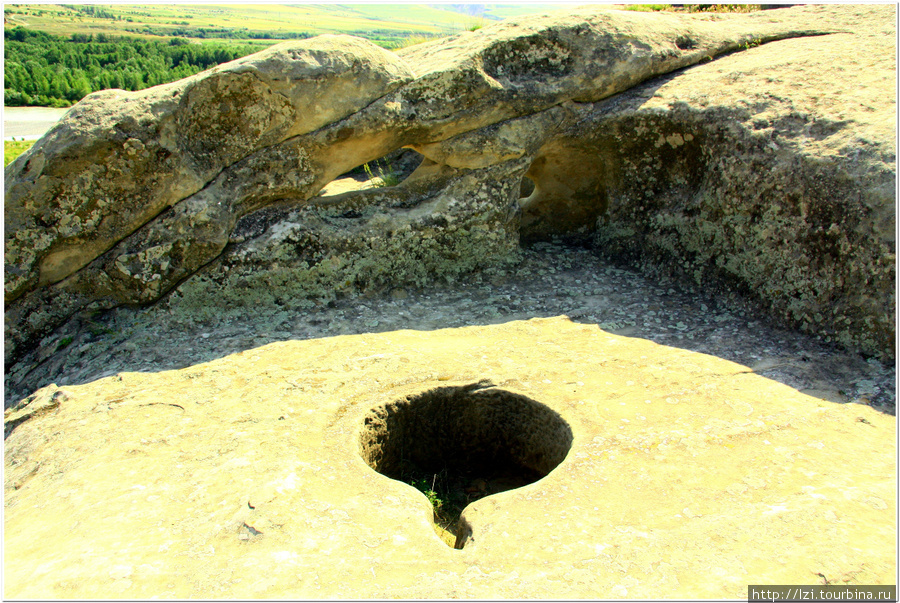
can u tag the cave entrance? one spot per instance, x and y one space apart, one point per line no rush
563 192
460 444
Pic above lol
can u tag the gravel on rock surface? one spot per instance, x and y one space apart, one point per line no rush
551 280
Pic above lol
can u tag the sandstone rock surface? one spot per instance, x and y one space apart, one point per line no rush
692 146
749 175
118 159
95 220
687 477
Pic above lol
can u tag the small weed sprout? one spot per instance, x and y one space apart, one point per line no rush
422 486
385 177
447 495
369 172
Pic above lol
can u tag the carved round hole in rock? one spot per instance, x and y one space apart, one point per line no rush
461 444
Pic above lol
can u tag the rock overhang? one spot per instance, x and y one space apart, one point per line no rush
589 56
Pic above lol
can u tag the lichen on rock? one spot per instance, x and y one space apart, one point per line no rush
533 129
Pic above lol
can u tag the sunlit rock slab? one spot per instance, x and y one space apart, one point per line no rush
688 477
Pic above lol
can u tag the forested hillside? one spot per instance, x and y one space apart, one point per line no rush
47 70
58 53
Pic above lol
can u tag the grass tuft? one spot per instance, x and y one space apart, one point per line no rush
414 40
475 24
385 176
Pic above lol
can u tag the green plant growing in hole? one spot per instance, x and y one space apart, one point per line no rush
64 343
447 493
385 177
422 486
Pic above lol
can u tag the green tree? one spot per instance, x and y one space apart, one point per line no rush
42 69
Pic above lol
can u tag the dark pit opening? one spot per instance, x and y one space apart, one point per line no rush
460 444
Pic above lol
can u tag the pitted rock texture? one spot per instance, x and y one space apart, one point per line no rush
118 159
688 477
780 186
134 195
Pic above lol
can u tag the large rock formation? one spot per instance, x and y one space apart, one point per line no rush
597 465
682 476
208 186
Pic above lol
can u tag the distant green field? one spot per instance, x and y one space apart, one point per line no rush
58 53
254 21
14 148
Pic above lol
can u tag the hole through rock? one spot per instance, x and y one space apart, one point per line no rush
460 444
390 170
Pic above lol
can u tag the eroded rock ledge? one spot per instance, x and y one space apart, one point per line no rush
738 172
